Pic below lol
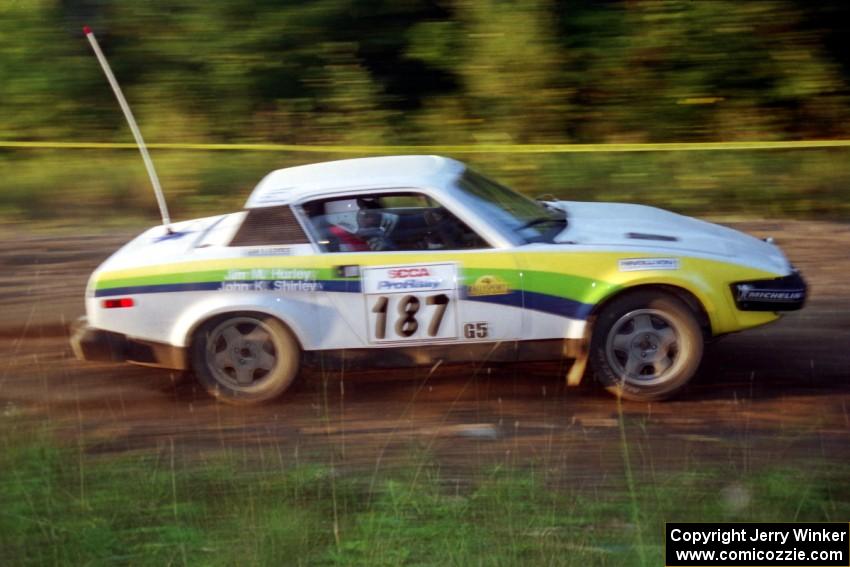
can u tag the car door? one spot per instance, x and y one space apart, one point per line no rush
410 271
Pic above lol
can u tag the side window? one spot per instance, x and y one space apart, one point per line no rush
386 222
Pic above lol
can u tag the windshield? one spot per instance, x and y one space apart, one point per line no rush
530 220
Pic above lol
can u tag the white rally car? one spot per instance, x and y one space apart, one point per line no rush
405 260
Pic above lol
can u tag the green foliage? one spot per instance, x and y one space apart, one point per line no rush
354 72
83 186
533 71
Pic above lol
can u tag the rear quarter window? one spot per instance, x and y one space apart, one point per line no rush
269 225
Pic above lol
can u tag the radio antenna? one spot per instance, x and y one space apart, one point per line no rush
128 114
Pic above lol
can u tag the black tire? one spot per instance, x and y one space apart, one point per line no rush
645 346
245 358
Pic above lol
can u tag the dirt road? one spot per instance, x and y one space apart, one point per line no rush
767 396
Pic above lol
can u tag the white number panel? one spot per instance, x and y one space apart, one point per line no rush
411 303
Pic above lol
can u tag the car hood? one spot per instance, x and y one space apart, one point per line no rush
639 226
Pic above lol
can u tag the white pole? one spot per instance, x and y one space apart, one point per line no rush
128 114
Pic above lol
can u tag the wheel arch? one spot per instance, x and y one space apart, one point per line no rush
686 296
185 329
248 312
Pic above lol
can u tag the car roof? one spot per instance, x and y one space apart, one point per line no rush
285 186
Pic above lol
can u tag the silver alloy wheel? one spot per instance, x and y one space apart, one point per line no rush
241 353
642 347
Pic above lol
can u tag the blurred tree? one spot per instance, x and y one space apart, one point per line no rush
679 70
46 80
420 71
509 70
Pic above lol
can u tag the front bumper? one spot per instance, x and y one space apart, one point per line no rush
89 343
787 293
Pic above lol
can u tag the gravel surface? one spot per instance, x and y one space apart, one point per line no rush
769 396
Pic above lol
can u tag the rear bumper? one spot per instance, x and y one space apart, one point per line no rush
89 343
787 293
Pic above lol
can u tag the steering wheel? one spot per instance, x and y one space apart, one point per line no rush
442 231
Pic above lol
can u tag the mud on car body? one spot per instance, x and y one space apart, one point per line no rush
411 259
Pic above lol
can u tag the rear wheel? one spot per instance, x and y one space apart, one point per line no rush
646 346
245 358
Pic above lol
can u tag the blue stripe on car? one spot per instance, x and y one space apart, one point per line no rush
529 300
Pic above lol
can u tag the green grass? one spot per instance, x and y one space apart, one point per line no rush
61 506
88 185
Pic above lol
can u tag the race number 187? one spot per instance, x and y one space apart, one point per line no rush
396 317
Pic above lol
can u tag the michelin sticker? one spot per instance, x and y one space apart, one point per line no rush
747 293
641 264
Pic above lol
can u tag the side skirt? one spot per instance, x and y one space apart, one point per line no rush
405 357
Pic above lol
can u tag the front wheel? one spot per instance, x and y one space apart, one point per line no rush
646 346
245 358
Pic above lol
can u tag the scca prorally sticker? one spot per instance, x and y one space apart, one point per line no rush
640 264
397 279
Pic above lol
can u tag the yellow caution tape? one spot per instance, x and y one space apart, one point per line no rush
442 149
